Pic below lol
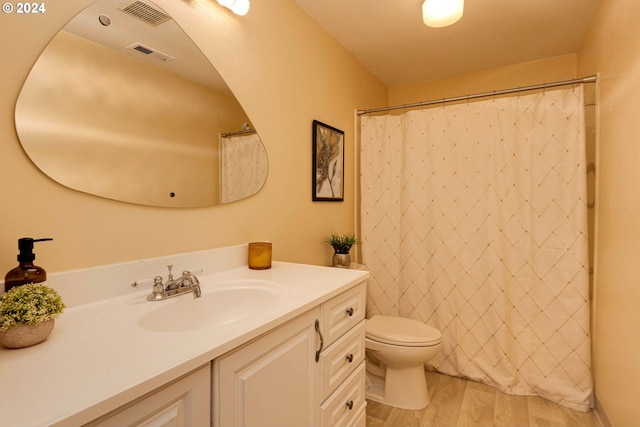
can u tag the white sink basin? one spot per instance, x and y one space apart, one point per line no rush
219 305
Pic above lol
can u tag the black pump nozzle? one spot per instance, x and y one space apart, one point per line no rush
25 245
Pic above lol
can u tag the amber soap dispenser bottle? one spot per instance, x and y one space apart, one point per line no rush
26 272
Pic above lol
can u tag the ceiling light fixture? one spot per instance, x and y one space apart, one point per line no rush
239 7
440 13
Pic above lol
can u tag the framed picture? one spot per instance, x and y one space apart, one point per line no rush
328 163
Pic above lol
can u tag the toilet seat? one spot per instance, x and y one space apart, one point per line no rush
401 331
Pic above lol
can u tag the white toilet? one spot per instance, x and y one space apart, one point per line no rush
396 351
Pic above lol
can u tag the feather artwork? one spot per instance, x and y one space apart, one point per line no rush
328 151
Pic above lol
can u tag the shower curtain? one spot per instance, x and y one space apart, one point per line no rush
474 220
243 166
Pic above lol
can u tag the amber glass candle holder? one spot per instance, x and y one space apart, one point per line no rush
260 255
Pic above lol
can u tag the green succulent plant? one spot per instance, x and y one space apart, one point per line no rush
342 242
29 304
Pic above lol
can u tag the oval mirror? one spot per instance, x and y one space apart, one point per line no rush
121 104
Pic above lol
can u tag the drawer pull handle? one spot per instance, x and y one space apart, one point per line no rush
317 326
349 357
350 311
350 404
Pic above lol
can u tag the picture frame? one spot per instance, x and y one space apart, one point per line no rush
328 163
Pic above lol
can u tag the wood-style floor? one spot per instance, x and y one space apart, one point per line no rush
456 402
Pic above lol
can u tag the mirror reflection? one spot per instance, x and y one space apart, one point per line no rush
121 104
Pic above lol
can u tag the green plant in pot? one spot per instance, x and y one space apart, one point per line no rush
27 314
341 244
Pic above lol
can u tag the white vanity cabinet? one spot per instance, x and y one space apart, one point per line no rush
185 402
307 372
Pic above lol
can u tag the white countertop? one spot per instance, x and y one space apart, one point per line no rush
88 366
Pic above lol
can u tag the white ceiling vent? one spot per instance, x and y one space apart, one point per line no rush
150 53
145 13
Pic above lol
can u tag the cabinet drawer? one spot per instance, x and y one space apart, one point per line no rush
360 419
343 312
345 404
340 359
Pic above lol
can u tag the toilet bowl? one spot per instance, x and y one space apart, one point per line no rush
396 351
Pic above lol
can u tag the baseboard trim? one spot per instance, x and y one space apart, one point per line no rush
601 414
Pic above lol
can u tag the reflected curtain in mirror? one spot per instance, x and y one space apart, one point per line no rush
243 166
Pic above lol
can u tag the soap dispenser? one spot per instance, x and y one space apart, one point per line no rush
26 272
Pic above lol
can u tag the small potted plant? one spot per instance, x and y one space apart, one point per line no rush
341 244
27 314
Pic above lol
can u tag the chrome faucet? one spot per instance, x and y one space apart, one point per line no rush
192 281
186 283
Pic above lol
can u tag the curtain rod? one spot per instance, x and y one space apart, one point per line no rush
590 79
238 133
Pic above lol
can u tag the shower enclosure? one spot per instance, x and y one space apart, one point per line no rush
474 219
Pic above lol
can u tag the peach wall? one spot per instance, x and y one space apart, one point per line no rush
511 76
612 48
284 75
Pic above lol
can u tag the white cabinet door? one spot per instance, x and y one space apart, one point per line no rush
183 403
272 381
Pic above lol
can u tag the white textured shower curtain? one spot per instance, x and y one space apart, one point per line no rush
474 221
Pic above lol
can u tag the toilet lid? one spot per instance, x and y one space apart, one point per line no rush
401 331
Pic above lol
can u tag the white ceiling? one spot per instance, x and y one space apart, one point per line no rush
389 38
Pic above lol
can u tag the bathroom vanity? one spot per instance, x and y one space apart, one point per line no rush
283 346
313 385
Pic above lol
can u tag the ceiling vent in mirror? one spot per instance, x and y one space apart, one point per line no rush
145 13
150 53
